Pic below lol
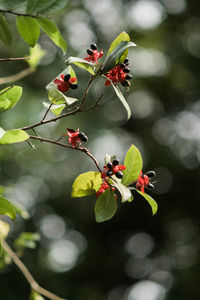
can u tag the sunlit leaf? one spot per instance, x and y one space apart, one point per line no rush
86 184
150 200
105 206
4 229
29 29
26 240
6 208
56 109
13 136
36 54
122 37
52 31
133 164
9 97
5 33
21 211
122 99
35 296
82 63
57 97
124 191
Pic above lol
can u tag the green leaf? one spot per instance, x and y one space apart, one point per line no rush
35 296
133 164
122 99
55 6
21 211
11 5
105 206
150 200
124 191
5 33
57 97
29 29
109 158
52 31
26 240
13 136
4 229
36 54
82 63
36 6
9 97
6 208
122 37
85 184
56 109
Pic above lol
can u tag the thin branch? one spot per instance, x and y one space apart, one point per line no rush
7 89
31 145
33 283
14 58
47 111
80 148
16 13
17 76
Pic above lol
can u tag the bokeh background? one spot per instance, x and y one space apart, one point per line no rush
134 256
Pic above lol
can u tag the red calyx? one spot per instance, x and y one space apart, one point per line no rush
95 56
116 75
73 137
63 85
103 188
142 182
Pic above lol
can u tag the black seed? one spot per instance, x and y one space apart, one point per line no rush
109 165
126 61
115 162
123 66
125 83
109 173
151 174
81 134
84 138
126 70
128 77
67 77
89 51
93 47
150 186
73 86
119 174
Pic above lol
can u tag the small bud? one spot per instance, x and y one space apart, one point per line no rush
73 86
89 51
93 46
109 173
126 61
128 77
122 66
115 162
151 174
119 175
67 77
150 186
125 83
126 70
109 165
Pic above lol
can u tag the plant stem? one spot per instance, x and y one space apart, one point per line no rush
6 11
33 283
14 58
17 76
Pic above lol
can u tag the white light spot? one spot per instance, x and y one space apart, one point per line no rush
146 290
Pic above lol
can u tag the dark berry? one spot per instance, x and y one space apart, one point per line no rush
125 83
81 134
151 174
84 138
93 47
122 66
115 162
109 165
126 61
150 186
119 175
89 51
67 77
109 173
73 86
126 70
128 77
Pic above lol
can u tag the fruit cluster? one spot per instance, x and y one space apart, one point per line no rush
144 181
119 74
103 188
75 137
65 82
93 54
113 168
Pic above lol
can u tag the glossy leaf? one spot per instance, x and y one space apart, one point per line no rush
86 184
29 29
124 191
82 63
56 109
5 33
36 6
122 37
105 206
52 31
13 136
35 296
122 99
6 208
36 54
150 200
9 97
57 97
133 164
